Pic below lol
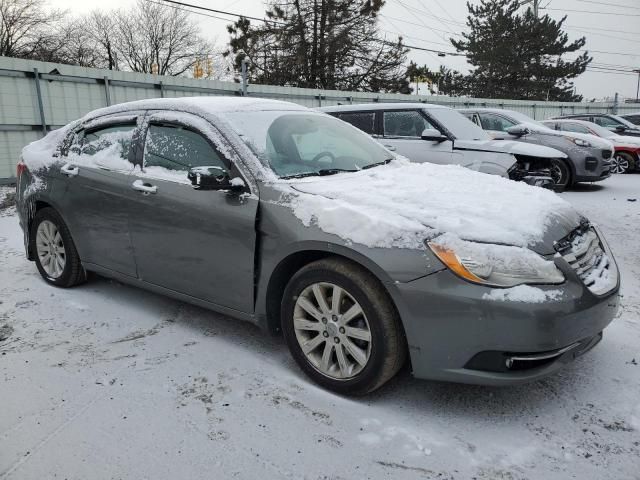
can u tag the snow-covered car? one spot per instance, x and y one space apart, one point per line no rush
614 123
588 158
633 117
626 150
293 220
437 134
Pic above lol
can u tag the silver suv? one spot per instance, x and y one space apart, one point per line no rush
588 158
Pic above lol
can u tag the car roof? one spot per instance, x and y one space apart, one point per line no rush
379 106
486 110
586 123
209 105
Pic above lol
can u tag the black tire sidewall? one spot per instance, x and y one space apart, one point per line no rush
68 275
369 376
566 175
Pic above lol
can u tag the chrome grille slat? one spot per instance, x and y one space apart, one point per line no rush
586 255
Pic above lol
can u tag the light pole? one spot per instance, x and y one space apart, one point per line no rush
638 87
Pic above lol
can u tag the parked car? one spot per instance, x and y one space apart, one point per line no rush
615 123
633 117
588 157
626 157
293 220
437 134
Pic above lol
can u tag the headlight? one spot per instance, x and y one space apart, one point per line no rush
580 142
494 265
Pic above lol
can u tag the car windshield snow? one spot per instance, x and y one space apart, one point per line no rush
298 144
460 126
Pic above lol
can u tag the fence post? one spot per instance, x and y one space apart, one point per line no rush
614 109
534 111
244 77
36 76
107 94
161 89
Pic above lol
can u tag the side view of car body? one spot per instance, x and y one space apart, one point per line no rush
614 123
288 218
437 134
626 156
588 157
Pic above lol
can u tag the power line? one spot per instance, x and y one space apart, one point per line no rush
596 13
183 4
608 4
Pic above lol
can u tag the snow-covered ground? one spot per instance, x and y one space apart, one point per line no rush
107 381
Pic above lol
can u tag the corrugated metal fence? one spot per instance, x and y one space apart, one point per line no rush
38 96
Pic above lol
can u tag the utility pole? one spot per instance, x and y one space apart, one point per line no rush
638 87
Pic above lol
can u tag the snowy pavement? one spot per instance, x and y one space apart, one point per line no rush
107 381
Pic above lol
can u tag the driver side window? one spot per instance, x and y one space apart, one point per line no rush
171 150
606 122
497 123
408 123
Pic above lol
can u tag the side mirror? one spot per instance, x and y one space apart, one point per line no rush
431 134
210 178
620 128
518 131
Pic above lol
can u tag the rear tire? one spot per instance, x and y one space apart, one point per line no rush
348 353
55 253
561 175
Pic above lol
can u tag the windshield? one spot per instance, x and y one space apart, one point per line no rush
460 126
302 143
527 120
624 121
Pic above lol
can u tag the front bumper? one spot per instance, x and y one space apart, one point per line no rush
592 165
457 334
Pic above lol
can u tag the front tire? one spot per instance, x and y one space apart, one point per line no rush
55 253
561 175
622 162
341 327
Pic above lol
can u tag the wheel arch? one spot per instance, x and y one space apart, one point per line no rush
287 266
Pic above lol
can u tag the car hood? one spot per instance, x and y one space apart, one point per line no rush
402 204
509 146
621 141
597 142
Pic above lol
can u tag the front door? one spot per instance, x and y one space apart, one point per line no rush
194 241
97 170
402 131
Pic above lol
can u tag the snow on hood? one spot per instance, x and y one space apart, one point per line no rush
622 141
509 146
596 141
402 204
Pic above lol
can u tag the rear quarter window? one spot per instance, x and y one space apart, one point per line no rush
365 121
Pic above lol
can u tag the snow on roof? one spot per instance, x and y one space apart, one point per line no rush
209 105
378 106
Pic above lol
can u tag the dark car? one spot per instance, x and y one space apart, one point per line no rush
298 222
633 117
615 123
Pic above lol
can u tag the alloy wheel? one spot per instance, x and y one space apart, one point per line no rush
50 249
332 330
619 164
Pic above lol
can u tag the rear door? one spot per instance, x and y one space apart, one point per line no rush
402 131
95 203
196 242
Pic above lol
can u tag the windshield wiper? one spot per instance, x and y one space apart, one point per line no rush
301 175
377 164
333 171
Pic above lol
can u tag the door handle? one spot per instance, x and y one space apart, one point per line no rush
69 169
390 147
140 186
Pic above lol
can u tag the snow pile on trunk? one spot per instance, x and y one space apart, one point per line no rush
522 293
402 204
44 152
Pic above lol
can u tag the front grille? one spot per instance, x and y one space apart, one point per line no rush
606 154
583 250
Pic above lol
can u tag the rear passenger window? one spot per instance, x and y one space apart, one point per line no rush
365 121
407 123
173 149
107 147
574 127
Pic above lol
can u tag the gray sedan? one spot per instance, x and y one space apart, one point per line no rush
589 157
297 222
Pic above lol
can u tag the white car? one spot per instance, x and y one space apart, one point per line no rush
436 134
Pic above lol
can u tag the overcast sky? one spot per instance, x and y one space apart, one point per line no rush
611 30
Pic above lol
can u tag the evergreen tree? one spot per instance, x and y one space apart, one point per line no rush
329 44
519 56
445 81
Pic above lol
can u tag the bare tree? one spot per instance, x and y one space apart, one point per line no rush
102 30
154 38
26 28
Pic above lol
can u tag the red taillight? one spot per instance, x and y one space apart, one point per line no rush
21 168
